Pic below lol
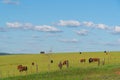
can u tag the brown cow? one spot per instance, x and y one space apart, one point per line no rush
21 68
66 62
94 60
82 60
60 65
33 63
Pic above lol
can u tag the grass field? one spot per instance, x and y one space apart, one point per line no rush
50 71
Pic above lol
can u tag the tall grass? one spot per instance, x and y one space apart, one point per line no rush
50 71
90 73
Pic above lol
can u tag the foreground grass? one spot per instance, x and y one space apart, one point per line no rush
90 73
48 71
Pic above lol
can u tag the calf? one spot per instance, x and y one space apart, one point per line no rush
66 62
22 68
94 60
82 60
60 65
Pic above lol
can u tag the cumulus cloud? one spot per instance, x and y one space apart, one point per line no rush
82 32
29 26
116 30
46 28
69 40
101 26
72 23
88 24
75 23
18 25
68 23
15 2
93 25
14 25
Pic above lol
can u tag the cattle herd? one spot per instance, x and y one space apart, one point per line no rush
99 61
22 68
90 60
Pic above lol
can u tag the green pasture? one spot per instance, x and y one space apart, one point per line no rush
9 63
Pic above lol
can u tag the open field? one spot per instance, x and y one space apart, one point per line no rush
8 66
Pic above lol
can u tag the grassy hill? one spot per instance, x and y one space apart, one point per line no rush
90 73
50 71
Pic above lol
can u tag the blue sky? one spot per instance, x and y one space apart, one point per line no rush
28 26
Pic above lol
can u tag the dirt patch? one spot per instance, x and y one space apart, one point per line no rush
118 72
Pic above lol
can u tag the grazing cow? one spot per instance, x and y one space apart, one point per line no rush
82 60
51 61
60 65
80 52
21 68
66 62
94 60
33 63
106 52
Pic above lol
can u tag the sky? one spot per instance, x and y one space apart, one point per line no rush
28 26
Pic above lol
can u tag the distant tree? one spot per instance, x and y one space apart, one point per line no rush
42 52
80 52
105 51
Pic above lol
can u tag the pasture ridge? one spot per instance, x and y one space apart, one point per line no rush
8 64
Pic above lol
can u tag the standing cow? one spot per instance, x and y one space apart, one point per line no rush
94 60
22 68
66 62
60 65
82 60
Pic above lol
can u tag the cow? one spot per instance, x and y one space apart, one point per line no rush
51 61
22 68
80 52
66 62
82 60
60 65
33 63
94 60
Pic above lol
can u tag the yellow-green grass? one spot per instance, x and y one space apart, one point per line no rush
9 63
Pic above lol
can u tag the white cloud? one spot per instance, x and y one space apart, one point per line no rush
88 24
101 26
29 26
82 32
72 23
93 25
19 25
15 2
116 29
69 40
46 28
14 25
